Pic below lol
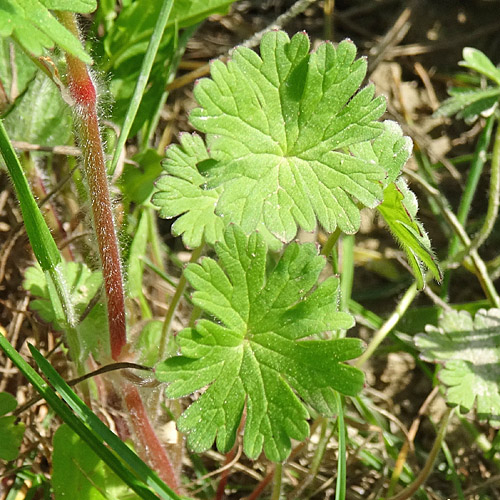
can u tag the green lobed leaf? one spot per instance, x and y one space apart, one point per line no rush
468 103
82 6
77 470
399 210
469 350
471 102
184 193
11 432
283 133
391 149
35 28
478 61
253 355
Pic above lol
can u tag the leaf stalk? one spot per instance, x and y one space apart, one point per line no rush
493 197
429 464
84 94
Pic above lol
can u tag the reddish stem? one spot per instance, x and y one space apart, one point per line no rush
153 451
261 486
83 92
84 95
221 487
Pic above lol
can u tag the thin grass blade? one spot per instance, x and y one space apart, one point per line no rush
85 430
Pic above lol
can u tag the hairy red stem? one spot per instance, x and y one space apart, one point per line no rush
153 451
84 95
83 92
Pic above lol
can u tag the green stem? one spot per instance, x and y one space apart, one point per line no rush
476 169
278 475
175 302
340 490
330 243
479 265
479 439
493 198
347 266
429 464
147 64
83 92
180 48
451 467
154 240
389 324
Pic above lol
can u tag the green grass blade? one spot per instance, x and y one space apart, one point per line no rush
147 64
476 169
453 471
340 489
347 275
142 470
85 430
44 246
41 240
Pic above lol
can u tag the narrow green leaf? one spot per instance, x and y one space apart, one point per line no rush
189 12
255 355
399 210
130 33
478 61
89 427
39 234
340 490
137 250
142 80
145 474
128 40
